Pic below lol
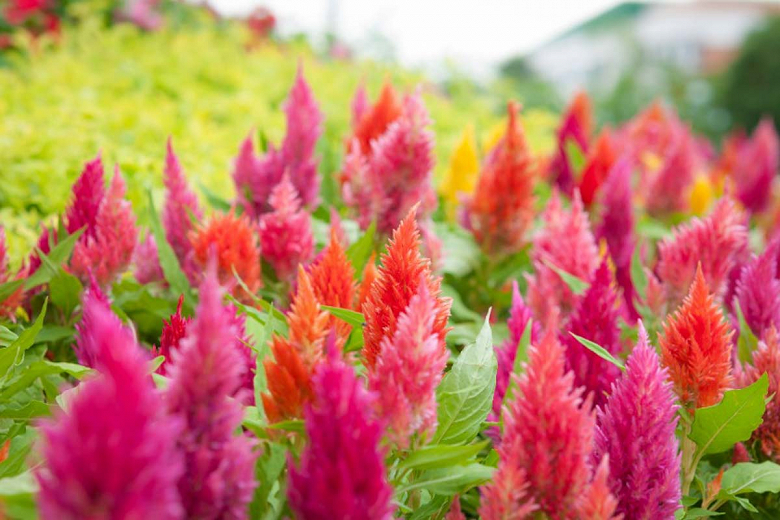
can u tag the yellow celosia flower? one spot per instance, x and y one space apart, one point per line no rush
463 171
702 194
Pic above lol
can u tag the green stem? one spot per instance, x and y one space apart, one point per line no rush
689 460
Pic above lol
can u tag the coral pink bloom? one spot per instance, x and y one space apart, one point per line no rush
409 368
717 242
758 290
285 233
147 261
548 437
342 471
112 454
696 348
507 496
598 503
599 162
756 166
205 371
455 512
181 209
575 130
107 252
565 242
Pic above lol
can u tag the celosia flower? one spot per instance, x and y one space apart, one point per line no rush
90 340
359 104
88 193
461 176
205 371
501 210
455 512
507 496
142 13
173 331
756 166
372 122
147 261
636 430
289 382
766 360
595 318
575 130
548 437
598 503
758 290
108 250
717 242
397 281
408 368
665 188
44 245
370 274
11 303
234 241
567 243
696 348
307 323
285 233
181 208
112 453
599 162
333 280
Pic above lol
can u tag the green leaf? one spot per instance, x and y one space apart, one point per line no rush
295 425
51 333
8 288
168 261
450 480
22 484
268 469
65 291
6 336
360 251
576 155
747 341
577 285
460 252
28 411
156 363
441 456
20 446
638 275
521 354
13 354
599 351
465 395
748 477
39 369
214 200
717 428
355 319
696 512
49 263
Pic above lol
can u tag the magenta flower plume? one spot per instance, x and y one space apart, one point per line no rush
112 453
718 241
565 242
758 290
635 428
342 472
205 372
108 252
408 369
88 192
147 261
575 130
254 177
174 330
304 127
548 435
90 340
666 189
286 238
181 207
519 316
595 318
756 167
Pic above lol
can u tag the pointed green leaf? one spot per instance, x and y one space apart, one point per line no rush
168 261
58 255
441 455
599 351
748 477
450 480
360 251
6 336
8 288
638 275
577 285
521 354
13 354
65 291
575 154
747 342
355 319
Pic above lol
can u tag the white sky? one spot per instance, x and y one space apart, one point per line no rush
475 34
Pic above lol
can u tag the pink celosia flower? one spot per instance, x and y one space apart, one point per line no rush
205 371
507 496
88 193
575 129
342 471
756 166
548 436
408 369
717 242
90 341
181 208
598 503
595 318
758 291
360 104
142 13
285 233
636 429
455 512
108 251
665 190
147 261
567 243
112 453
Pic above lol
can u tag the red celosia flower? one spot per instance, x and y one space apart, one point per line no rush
285 233
235 244
289 382
601 158
665 189
181 208
576 127
372 122
696 348
173 332
501 210
598 503
307 323
397 281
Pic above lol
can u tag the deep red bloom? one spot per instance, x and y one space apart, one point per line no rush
173 332
601 158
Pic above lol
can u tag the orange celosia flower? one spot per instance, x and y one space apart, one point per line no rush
696 348
308 324
235 244
332 275
374 121
369 276
289 383
397 281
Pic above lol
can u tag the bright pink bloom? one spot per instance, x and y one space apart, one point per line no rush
205 371
665 190
142 13
181 208
567 243
88 193
107 252
635 428
758 291
756 166
285 233
342 471
575 130
717 241
147 261
112 453
90 340
44 244
408 369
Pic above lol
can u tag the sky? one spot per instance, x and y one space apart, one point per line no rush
476 35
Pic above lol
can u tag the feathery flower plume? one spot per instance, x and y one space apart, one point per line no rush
595 317
716 242
598 503
758 290
756 166
147 261
289 382
307 323
108 250
174 330
235 243
576 127
205 371
599 162
507 496
696 348
665 188
88 193
285 233
567 243
455 512
359 104
339 422
89 341
463 171
112 454
397 281
333 281
181 207
501 210
374 121
9 305
408 369
635 428
254 177
548 437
